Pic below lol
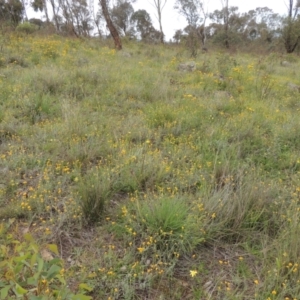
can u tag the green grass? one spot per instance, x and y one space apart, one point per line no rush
153 184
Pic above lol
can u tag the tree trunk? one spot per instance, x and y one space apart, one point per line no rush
160 25
201 34
226 24
46 11
55 17
290 40
159 5
290 45
112 29
25 11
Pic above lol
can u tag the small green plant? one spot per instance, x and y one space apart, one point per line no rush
94 191
168 227
205 67
239 204
192 43
264 85
225 63
39 108
161 117
29 272
27 28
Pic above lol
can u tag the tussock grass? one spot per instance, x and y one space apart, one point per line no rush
154 184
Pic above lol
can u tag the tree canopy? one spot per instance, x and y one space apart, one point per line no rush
225 25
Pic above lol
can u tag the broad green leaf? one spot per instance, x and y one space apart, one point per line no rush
36 276
55 261
61 279
31 281
4 291
33 259
26 264
19 248
34 247
20 290
53 271
40 264
22 257
53 248
86 287
18 268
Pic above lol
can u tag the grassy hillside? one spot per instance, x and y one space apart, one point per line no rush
124 178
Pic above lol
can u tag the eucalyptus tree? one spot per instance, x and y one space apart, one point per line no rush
40 5
96 16
159 6
11 11
111 27
227 24
121 14
226 21
143 26
82 21
291 28
69 16
55 13
263 24
196 14
73 17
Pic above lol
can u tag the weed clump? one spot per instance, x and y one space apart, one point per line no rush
31 272
164 228
94 192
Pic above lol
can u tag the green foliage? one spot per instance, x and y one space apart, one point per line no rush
165 215
161 117
37 5
225 64
40 108
290 33
11 11
170 223
27 28
143 26
240 208
121 15
94 192
165 227
25 273
192 42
